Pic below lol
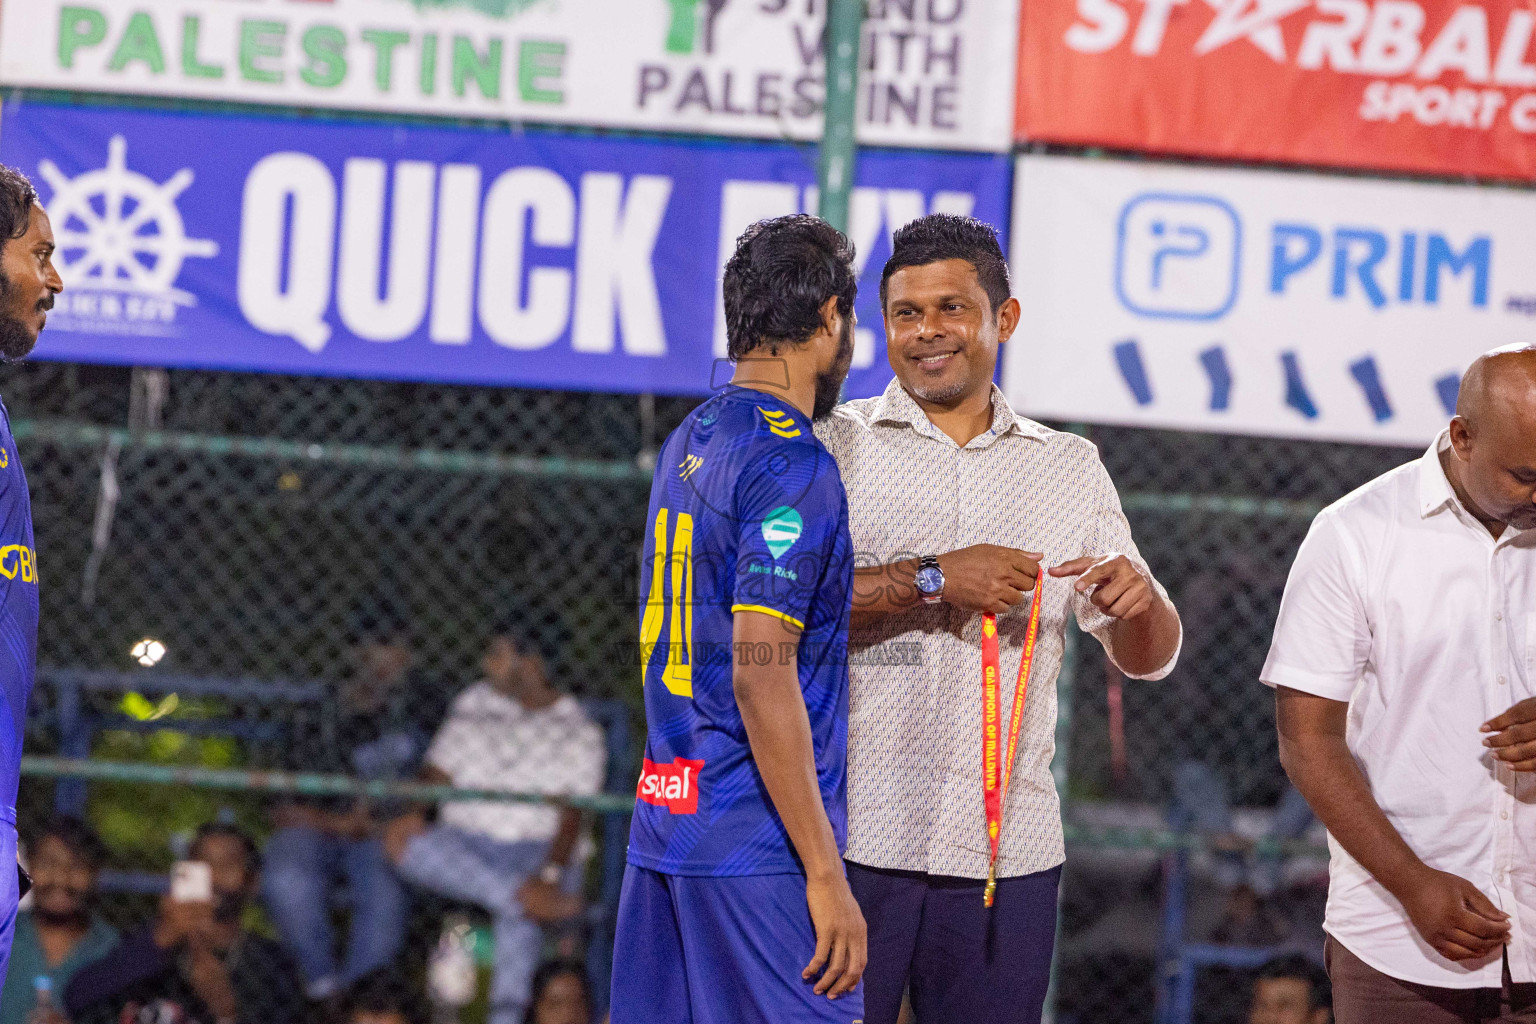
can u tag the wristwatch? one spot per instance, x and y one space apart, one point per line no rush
929 579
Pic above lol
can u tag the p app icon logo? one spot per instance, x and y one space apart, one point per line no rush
1178 256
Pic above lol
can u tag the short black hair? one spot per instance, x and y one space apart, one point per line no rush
1296 967
17 195
946 236
781 274
384 991
530 635
381 617
77 837
548 972
225 830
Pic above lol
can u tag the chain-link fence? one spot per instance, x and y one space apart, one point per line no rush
328 574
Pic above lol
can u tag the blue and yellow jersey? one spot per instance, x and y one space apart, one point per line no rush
18 611
747 513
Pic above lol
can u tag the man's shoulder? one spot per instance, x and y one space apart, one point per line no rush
1376 499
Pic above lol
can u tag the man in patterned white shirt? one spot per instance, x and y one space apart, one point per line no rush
955 505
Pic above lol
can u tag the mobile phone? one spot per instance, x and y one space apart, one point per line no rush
191 882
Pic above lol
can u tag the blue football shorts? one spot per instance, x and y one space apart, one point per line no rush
692 950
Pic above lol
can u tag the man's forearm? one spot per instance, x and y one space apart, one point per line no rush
881 590
1144 644
1326 774
565 839
779 733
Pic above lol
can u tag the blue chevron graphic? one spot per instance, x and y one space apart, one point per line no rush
1447 388
1134 372
1369 378
1214 359
1296 395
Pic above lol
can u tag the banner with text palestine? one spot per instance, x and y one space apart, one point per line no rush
934 73
447 254
1431 86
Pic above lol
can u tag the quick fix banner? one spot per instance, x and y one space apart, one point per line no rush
1436 86
934 73
1287 305
539 260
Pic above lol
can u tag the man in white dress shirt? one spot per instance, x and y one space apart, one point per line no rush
1404 667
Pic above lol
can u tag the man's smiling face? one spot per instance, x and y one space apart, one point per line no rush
28 283
941 331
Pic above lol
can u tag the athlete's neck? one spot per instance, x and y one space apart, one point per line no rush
790 378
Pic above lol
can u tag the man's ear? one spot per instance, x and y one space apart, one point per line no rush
1461 437
1008 315
829 316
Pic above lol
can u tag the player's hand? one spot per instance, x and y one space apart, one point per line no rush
987 577
1454 916
1119 589
1514 736
842 943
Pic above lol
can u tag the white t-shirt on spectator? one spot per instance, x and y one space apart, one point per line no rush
490 741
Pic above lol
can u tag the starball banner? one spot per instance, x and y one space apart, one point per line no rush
1287 305
1435 86
536 259
934 73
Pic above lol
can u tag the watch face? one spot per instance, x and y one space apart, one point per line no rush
930 579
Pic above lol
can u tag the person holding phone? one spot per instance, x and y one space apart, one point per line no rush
194 963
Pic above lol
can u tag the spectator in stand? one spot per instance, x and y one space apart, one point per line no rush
512 731
383 997
195 964
1291 990
62 932
561 994
377 727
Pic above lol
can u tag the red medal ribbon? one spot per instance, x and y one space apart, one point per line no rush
997 759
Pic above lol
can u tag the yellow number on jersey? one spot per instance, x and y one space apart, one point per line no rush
677 674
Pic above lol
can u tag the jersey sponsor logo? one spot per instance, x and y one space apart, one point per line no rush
689 466
780 422
18 560
781 529
674 786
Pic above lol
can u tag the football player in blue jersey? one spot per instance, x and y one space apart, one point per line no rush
735 908
28 283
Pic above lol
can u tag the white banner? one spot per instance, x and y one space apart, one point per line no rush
935 73
1288 305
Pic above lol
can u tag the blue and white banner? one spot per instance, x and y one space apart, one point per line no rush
540 260
1289 305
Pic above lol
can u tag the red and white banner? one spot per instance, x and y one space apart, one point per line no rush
1435 86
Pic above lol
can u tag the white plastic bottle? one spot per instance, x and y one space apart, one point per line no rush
451 973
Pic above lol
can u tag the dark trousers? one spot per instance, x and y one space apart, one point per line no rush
1364 995
964 963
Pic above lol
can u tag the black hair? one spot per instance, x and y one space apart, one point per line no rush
17 195
383 991
77 837
217 829
781 274
531 635
548 972
946 236
1296 967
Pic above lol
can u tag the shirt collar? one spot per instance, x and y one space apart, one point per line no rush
896 406
1435 492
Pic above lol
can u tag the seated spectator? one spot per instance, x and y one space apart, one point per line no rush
561 994
62 932
194 964
383 997
513 731
1250 878
376 728
1292 990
